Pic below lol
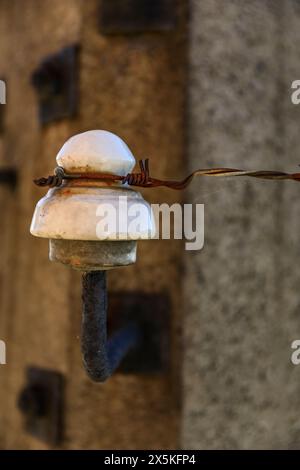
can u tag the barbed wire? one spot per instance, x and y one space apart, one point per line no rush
143 179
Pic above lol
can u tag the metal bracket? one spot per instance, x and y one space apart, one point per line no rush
9 177
152 313
56 83
136 16
41 401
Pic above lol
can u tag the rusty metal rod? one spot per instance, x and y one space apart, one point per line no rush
101 356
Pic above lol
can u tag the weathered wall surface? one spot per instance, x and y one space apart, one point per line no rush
131 85
34 331
242 290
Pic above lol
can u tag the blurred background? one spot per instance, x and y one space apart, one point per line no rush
189 84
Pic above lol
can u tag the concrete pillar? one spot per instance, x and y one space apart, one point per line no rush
241 291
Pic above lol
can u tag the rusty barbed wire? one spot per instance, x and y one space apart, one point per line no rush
143 179
52 180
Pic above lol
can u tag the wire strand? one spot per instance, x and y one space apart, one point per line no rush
143 179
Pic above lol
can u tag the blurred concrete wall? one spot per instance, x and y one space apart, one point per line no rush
242 305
